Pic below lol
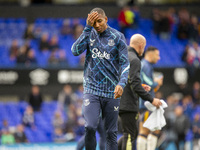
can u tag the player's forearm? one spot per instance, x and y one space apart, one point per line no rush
124 74
137 87
80 45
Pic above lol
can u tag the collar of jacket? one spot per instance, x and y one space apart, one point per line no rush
133 50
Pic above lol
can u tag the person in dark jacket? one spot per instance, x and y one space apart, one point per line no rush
35 98
20 136
129 104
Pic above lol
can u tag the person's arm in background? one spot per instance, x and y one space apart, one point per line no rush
80 45
124 67
145 75
135 81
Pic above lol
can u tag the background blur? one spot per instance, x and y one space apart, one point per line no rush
41 81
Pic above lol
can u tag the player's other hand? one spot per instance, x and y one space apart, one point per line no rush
91 18
156 102
159 80
146 87
118 91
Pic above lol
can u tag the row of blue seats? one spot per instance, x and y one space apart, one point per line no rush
170 50
12 20
43 132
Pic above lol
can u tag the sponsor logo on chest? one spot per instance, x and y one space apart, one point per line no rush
96 53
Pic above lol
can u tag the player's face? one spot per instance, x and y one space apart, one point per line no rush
100 23
156 56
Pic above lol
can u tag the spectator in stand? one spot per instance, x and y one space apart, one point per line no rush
21 56
59 136
14 50
77 30
29 33
156 17
171 14
187 105
196 132
194 31
126 19
196 93
164 26
71 123
79 92
183 32
44 43
136 12
53 43
35 98
161 23
185 54
181 127
28 117
66 28
65 98
62 56
58 121
31 60
57 57
193 58
38 33
20 136
5 125
7 137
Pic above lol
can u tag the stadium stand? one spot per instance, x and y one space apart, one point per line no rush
169 48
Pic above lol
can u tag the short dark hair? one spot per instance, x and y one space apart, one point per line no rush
99 11
150 49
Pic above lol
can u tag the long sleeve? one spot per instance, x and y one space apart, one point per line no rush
80 45
134 79
123 61
146 76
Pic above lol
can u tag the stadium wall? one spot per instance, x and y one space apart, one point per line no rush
67 11
17 82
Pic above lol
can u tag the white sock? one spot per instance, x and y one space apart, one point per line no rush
151 142
141 143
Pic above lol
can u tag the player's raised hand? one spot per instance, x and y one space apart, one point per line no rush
118 91
91 18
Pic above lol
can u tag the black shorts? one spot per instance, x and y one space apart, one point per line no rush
130 123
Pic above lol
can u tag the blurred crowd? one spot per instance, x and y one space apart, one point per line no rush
182 23
67 121
38 42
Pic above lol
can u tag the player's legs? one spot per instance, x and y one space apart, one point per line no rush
102 140
102 133
110 110
152 140
81 143
91 112
143 132
120 142
130 130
